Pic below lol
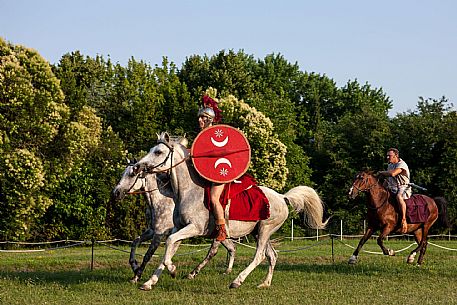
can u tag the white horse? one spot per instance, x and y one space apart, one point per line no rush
159 218
195 220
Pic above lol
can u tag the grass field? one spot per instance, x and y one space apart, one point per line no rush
306 273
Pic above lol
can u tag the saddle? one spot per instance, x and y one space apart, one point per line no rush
416 209
242 200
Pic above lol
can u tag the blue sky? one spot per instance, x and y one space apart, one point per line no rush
408 48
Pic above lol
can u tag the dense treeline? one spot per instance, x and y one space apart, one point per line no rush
66 129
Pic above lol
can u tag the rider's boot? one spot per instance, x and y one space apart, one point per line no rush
221 233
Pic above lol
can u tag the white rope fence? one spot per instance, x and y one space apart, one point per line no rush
373 252
205 247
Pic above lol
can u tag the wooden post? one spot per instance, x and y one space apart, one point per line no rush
341 229
92 260
292 231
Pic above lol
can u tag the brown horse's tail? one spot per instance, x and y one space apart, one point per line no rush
442 208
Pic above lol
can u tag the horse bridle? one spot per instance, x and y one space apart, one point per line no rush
367 190
138 176
366 182
170 155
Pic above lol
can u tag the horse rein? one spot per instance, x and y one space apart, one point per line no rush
129 192
367 190
170 155
144 192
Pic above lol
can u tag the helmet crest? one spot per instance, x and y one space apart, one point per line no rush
210 109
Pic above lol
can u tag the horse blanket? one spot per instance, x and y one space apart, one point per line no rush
246 200
416 209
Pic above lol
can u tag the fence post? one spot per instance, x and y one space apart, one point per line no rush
92 260
333 253
341 229
317 234
292 231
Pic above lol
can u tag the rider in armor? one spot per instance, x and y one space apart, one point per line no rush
397 182
207 115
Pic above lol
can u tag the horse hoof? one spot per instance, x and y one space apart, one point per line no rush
391 252
134 280
172 271
145 287
411 257
190 276
263 285
234 285
352 260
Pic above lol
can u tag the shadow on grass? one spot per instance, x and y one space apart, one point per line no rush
67 277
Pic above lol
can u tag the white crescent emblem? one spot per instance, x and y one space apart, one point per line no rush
219 144
222 160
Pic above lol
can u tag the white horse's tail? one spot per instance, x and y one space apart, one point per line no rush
305 199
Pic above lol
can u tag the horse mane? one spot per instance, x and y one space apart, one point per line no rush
373 173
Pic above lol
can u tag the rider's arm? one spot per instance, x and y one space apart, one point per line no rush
391 173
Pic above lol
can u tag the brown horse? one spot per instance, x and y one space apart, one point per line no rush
383 214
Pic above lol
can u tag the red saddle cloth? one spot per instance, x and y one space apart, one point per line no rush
247 201
416 209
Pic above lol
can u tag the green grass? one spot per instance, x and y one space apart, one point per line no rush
307 276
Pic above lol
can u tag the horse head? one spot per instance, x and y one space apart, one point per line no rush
130 181
161 157
363 182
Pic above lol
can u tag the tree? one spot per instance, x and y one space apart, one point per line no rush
350 134
268 163
266 85
427 141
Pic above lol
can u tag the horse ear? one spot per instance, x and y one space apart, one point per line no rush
135 161
158 136
183 141
166 137
128 160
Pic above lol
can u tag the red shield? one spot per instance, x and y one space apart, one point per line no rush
221 153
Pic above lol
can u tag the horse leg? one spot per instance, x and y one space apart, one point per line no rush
147 257
259 256
384 232
211 253
420 260
365 237
155 277
272 256
418 237
171 246
423 244
230 246
146 235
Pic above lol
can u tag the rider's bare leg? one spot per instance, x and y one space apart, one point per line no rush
216 191
401 202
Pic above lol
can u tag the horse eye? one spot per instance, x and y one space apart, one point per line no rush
158 152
